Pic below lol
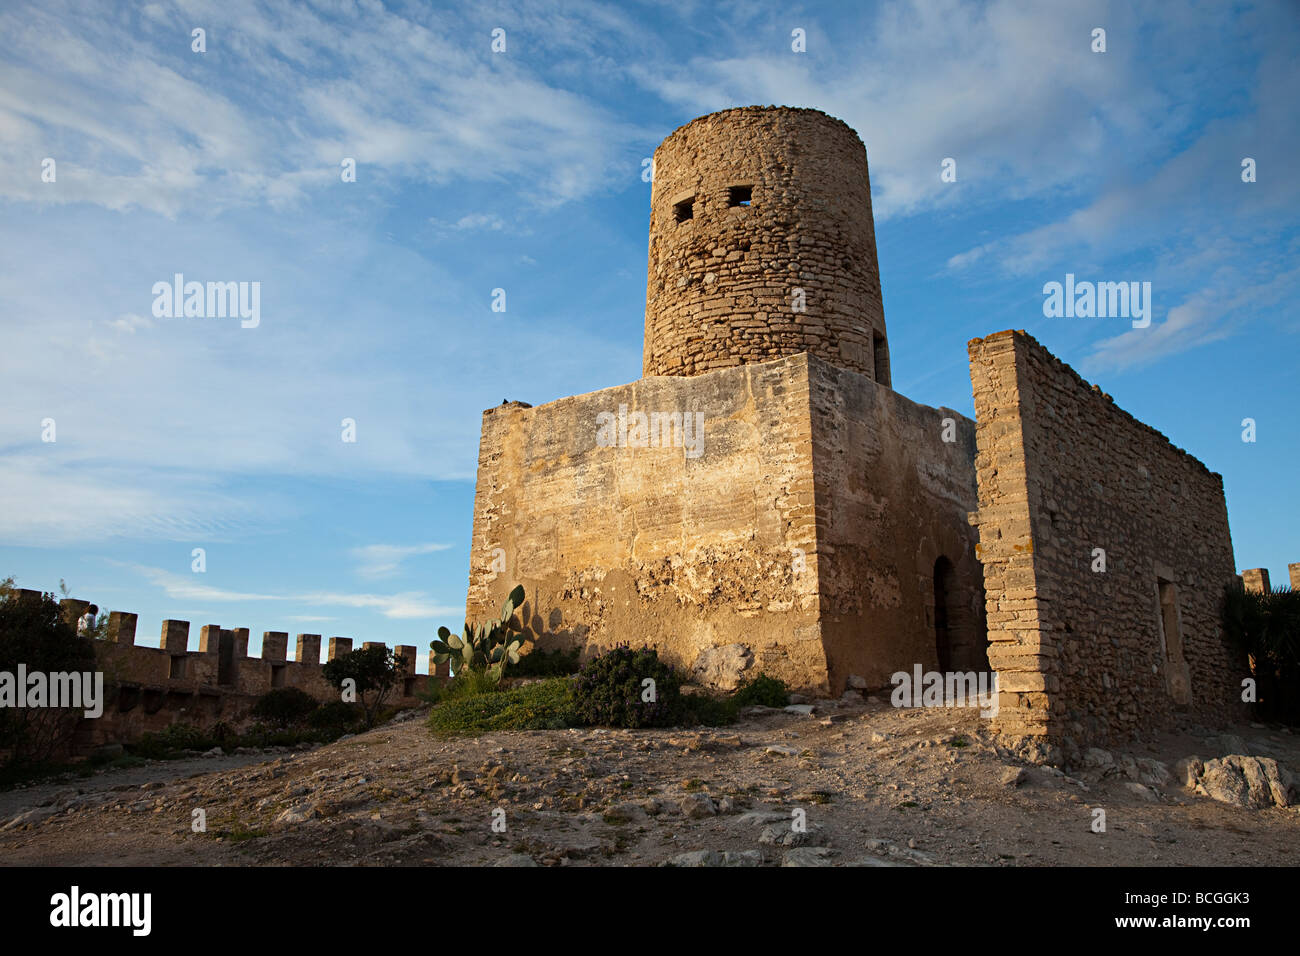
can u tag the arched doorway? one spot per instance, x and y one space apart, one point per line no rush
960 638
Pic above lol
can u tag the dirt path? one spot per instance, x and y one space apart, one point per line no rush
853 784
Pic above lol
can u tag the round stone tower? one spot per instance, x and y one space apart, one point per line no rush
762 245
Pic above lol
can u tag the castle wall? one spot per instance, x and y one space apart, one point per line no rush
151 688
649 545
1080 653
893 497
720 288
807 530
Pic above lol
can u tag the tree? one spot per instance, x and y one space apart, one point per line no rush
372 671
33 633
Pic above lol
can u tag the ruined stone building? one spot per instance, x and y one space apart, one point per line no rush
763 499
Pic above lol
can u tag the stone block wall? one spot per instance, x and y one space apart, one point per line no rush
150 688
723 270
808 529
894 486
1064 475
651 545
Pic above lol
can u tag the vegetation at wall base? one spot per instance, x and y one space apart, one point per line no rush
284 706
485 646
1267 628
547 664
545 705
608 692
764 690
614 690
34 634
374 673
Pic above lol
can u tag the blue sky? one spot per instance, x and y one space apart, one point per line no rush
521 170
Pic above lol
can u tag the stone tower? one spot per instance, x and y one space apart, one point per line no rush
762 245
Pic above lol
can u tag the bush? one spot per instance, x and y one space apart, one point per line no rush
609 690
764 690
335 715
284 706
1267 627
546 705
547 664
33 633
166 742
374 672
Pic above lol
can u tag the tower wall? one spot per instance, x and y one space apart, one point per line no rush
792 271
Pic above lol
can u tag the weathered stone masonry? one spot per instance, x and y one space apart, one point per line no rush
808 530
1063 471
151 688
747 206
830 527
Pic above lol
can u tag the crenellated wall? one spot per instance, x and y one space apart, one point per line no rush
150 688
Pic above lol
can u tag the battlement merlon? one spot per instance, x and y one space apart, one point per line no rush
1256 579
308 649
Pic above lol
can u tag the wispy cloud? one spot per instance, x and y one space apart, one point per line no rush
1204 317
404 605
401 95
384 560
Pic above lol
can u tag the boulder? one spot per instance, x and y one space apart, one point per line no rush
1251 782
697 806
722 668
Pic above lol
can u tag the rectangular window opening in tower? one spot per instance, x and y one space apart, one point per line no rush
740 195
684 210
881 356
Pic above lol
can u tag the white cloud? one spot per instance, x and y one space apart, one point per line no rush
1205 316
1010 90
383 560
129 322
68 500
405 605
135 119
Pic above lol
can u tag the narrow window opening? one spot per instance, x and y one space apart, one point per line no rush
277 675
880 352
740 195
177 671
684 210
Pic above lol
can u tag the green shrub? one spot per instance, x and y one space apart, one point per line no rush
471 684
1267 627
33 633
611 691
335 715
768 691
168 741
546 705
374 672
547 664
284 706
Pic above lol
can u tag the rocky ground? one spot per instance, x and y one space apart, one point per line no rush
853 783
